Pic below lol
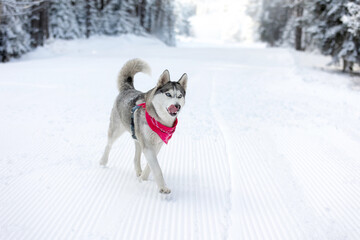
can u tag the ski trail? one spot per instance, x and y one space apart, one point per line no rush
77 202
257 207
259 152
326 182
285 185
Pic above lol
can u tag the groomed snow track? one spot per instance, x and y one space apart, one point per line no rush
264 149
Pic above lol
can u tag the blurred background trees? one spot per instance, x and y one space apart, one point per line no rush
26 24
331 26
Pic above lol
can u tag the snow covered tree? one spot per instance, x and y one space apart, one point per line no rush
149 16
133 16
254 10
298 12
159 20
293 31
166 28
62 21
184 11
352 20
39 23
333 37
14 40
27 24
273 20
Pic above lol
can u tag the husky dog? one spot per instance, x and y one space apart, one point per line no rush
152 124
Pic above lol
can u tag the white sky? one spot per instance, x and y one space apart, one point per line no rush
223 20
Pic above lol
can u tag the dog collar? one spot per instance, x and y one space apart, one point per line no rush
164 132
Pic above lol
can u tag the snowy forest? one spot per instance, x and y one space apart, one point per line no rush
330 26
266 147
24 25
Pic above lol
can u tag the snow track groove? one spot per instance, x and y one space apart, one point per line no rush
327 185
261 151
85 200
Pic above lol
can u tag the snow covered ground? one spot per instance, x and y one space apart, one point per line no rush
267 146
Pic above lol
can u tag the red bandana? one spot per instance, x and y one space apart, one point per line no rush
164 132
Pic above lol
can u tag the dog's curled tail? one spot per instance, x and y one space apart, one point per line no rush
128 71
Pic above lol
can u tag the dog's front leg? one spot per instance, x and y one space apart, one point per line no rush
151 158
137 159
145 174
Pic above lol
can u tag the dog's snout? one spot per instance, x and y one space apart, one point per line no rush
178 106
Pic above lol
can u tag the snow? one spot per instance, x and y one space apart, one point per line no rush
267 145
225 21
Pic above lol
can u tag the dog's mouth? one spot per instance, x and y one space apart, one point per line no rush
173 110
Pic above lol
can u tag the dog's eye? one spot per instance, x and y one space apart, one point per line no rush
180 96
168 94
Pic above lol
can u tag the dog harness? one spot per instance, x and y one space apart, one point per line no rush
164 132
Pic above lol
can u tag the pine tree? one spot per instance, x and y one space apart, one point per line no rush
149 16
352 21
254 10
14 40
63 21
274 18
333 37
38 22
293 33
184 11
167 33
133 17
27 24
160 20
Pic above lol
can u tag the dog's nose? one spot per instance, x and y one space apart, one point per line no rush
177 106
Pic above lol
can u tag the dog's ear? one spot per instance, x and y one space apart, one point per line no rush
183 81
164 78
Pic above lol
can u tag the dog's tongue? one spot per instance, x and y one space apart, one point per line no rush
173 109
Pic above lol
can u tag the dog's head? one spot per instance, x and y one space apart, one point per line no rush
169 97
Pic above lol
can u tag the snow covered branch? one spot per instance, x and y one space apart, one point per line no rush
353 19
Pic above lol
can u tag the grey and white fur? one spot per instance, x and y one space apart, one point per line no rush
163 102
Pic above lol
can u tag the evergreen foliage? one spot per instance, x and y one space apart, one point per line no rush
63 21
14 39
332 33
184 11
27 24
273 21
332 26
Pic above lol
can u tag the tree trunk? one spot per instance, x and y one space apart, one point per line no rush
2 37
39 24
347 66
34 27
87 21
46 19
142 12
4 57
41 32
298 29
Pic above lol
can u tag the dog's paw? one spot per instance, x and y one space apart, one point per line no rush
138 173
139 179
103 162
165 190
144 177
103 165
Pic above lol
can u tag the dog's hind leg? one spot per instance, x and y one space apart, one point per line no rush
114 132
137 159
